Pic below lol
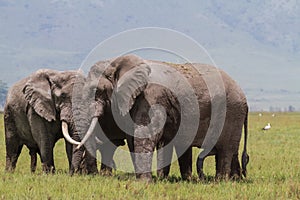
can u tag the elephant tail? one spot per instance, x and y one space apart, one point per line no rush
245 156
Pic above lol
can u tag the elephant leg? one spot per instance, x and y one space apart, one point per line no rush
164 159
33 157
107 163
12 142
130 144
46 153
223 162
143 149
69 150
13 151
236 172
47 159
42 134
200 161
90 162
218 167
90 157
185 162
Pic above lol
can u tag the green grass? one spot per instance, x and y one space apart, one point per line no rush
273 172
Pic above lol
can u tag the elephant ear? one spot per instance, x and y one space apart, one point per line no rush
129 85
37 92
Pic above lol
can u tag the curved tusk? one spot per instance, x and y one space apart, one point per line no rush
89 132
98 141
66 134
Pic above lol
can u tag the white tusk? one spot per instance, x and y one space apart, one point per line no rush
98 140
89 132
66 134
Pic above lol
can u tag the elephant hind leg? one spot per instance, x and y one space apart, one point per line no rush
164 159
12 141
200 161
236 172
33 156
223 164
185 163
13 152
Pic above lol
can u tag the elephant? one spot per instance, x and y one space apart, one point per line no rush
129 86
105 142
38 112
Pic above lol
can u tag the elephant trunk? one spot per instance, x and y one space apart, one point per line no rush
87 153
89 133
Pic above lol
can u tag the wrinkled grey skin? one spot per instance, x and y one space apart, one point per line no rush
34 110
236 170
147 94
108 132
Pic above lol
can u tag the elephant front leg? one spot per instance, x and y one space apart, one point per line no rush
69 151
107 163
46 150
143 153
47 160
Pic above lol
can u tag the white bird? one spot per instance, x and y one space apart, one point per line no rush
273 115
267 127
259 114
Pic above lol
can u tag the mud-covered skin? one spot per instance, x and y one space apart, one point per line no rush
144 94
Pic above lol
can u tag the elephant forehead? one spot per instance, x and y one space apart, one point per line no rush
104 83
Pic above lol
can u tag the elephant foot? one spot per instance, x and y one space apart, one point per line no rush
10 169
186 176
145 177
161 174
105 170
235 177
222 177
201 176
48 169
92 170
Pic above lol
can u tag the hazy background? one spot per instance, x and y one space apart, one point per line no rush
256 41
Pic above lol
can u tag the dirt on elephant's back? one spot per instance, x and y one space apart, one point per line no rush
190 69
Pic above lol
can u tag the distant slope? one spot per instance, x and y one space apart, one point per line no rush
256 42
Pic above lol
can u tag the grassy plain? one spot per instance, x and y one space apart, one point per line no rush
273 172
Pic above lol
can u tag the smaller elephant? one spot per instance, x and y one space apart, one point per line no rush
38 110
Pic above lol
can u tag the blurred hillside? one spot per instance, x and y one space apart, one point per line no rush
256 42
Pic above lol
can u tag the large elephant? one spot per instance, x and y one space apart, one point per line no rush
127 87
37 113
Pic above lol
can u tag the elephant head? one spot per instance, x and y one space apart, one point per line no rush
116 86
49 92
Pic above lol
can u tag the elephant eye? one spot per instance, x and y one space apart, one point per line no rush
63 95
